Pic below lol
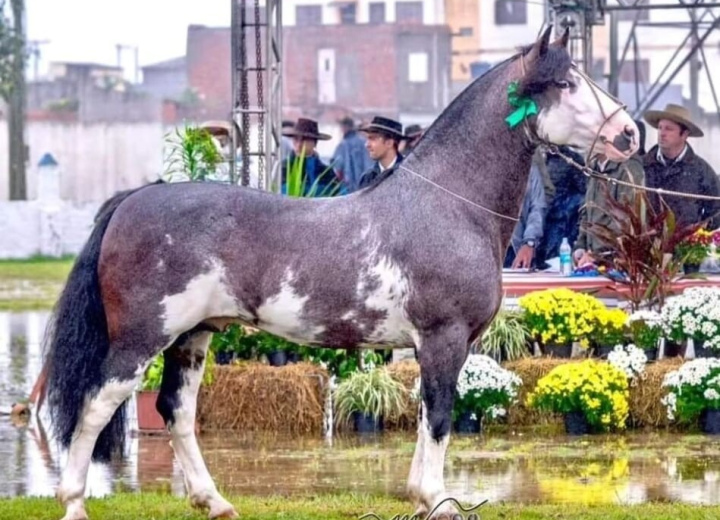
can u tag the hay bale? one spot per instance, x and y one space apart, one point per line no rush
258 397
645 406
405 372
531 370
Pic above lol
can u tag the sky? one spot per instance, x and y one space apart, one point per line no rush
88 30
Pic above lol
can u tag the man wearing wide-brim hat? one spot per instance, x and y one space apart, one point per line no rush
383 140
320 179
673 165
413 133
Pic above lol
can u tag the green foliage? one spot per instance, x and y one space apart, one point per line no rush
192 153
296 180
235 339
340 362
153 375
12 49
507 332
374 392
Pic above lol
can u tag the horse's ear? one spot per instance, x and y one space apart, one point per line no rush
563 40
541 46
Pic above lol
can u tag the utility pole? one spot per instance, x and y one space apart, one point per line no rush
579 17
16 107
33 47
694 65
118 52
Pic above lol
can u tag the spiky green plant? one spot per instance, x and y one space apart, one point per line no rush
296 180
507 332
374 393
192 154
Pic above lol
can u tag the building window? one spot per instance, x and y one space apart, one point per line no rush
409 12
418 67
308 15
377 12
348 14
643 15
510 12
465 31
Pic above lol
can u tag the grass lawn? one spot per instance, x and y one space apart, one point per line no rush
149 506
32 284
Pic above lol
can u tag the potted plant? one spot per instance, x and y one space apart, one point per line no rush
366 397
630 359
693 250
506 339
608 331
592 396
149 419
645 328
557 317
695 314
484 390
694 393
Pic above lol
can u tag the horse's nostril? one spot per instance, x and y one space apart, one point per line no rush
629 132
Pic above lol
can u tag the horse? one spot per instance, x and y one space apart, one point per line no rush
414 260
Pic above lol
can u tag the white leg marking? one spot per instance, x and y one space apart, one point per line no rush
432 483
199 483
95 415
415 478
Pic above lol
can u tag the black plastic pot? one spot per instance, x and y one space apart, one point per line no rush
293 357
703 352
224 358
673 349
466 424
277 358
558 351
651 354
602 351
367 423
691 268
710 421
576 423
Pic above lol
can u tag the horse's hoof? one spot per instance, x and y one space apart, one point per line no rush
227 513
420 512
75 512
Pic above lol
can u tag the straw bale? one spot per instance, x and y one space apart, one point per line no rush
258 397
405 372
645 395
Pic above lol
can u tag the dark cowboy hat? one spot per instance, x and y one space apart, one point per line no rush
306 128
413 131
384 125
676 113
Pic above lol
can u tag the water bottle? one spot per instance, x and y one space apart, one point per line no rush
566 268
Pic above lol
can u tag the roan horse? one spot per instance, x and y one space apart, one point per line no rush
414 260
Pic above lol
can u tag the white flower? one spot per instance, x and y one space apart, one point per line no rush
630 360
711 394
482 378
695 313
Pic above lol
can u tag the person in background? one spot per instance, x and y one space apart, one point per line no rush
595 210
673 165
221 132
529 230
383 140
351 158
318 176
413 133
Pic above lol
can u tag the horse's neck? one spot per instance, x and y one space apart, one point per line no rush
472 152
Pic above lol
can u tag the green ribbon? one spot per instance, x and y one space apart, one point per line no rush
524 106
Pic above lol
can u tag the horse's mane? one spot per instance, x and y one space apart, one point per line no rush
544 73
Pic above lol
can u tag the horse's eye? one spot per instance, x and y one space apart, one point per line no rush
563 84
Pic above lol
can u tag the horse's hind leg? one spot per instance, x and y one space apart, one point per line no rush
183 372
441 356
96 414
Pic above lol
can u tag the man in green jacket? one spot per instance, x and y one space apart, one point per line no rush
595 209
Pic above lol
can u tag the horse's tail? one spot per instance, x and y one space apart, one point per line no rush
77 343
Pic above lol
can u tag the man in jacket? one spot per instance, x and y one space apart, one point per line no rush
529 229
319 178
383 138
673 165
351 158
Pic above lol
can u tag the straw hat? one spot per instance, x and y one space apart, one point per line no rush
676 113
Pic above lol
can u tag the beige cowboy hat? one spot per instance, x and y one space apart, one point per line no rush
677 113
219 127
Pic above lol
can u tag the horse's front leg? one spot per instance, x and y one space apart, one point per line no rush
441 356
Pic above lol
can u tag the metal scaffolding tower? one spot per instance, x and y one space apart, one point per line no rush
256 32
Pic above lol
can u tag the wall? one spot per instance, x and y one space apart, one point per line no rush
433 11
96 160
498 42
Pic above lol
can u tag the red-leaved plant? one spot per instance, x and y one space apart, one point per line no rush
639 244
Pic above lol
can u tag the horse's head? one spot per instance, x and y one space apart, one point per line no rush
572 109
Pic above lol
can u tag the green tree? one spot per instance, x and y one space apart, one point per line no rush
12 90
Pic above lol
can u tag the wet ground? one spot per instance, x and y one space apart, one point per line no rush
499 467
